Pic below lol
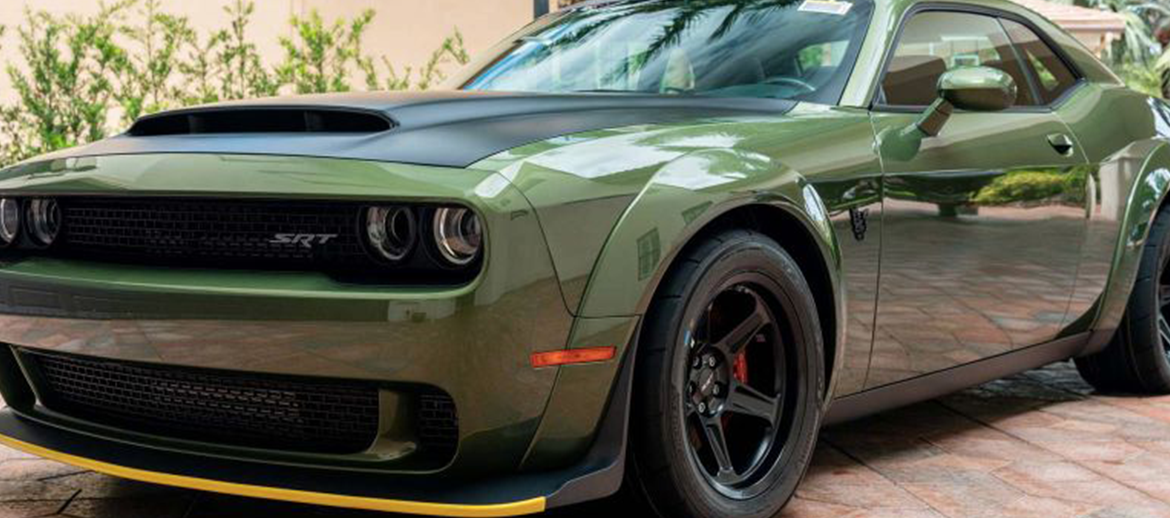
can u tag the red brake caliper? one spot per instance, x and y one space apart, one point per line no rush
739 369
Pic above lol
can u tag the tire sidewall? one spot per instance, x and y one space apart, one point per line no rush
1154 346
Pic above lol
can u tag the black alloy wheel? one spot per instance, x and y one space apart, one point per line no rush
735 388
729 382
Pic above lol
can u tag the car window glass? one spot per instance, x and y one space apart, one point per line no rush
935 42
1054 78
746 48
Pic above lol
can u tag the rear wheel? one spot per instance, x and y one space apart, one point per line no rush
1137 360
730 382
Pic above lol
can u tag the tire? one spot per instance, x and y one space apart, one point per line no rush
1137 359
773 387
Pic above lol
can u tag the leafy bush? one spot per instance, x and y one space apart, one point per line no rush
321 56
147 77
67 85
452 50
78 77
227 66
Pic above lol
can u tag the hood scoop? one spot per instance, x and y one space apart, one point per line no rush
261 120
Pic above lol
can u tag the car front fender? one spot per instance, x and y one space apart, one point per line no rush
1148 193
682 199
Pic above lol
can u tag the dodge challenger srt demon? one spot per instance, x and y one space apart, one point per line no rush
651 246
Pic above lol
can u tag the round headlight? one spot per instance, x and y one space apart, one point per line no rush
391 231
44 218
9 220
458 234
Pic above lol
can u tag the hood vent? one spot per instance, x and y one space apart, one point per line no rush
260 120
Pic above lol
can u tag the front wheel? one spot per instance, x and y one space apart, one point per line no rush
730 382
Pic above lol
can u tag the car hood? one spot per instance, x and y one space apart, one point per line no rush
451 128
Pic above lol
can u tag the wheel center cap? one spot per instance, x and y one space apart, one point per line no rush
707 382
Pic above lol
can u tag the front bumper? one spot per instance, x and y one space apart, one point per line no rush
598 474
522 431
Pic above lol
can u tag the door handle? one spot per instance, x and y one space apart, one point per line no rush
1062 143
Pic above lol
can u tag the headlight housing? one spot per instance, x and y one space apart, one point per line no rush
458 235
44 220
392 231
9 221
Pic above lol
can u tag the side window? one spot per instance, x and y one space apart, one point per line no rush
1054 78
934 42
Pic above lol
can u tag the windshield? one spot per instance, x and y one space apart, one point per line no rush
785 49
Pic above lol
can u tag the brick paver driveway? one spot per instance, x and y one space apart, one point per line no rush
1038 445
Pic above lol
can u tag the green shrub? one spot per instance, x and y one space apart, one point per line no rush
147 80
320 57
452 50
68 83
226 65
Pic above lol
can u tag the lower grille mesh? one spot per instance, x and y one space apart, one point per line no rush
438 425
211 406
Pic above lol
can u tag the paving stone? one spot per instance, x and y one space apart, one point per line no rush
21 490
34 469
127 508
97 485
801 508
29 509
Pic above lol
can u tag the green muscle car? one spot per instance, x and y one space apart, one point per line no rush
650 246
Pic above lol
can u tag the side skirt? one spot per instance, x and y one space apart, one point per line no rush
941 383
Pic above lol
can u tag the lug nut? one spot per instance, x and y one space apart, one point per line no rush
715 390
702 407
710 361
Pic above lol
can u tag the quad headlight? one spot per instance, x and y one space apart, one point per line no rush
44 220
458 235
447 237
9 221
392 231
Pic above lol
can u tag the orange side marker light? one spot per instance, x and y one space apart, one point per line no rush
571 356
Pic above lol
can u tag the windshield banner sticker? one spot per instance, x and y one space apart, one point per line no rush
826 7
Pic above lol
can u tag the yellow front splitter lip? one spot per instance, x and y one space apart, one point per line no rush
523 507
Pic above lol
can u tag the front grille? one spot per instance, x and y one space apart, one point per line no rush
294 414
328 237
216 232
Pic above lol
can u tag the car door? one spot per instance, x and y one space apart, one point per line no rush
982 225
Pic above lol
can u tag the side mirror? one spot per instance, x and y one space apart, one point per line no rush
977 89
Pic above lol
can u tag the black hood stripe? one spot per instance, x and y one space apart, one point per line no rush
453 129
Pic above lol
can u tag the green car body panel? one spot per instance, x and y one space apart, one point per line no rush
580 228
